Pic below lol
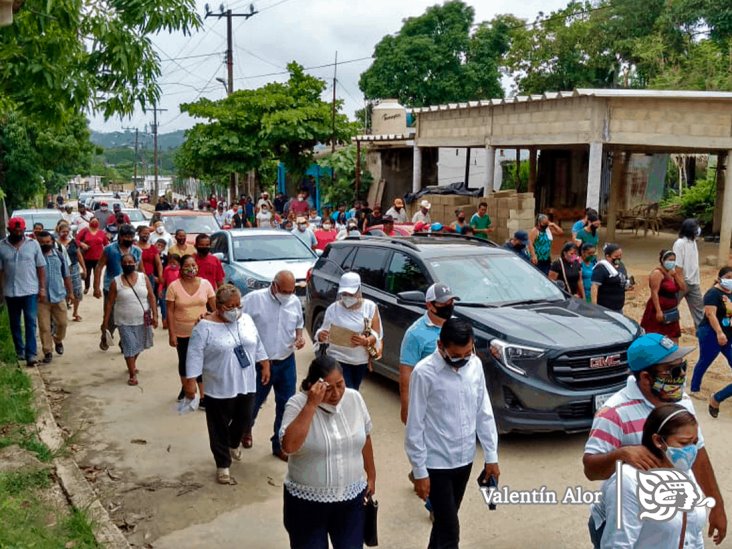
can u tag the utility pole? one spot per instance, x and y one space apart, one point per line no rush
230 65
333 115
137 133
156 110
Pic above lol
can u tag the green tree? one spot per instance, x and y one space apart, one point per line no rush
253 129
434 58
19 163
65 56
342 188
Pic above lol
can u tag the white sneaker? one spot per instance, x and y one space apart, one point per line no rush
223 476
235 453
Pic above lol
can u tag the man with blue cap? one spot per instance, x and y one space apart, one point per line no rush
518 244
658 376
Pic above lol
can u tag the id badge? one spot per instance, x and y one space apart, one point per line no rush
725 322
242 357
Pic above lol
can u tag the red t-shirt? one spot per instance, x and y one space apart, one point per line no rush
170 275
324 238
148 259
112 219
299 207
210 268
96 242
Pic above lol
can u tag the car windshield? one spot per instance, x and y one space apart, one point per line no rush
195 224
270 248
49 220
494 279
135 215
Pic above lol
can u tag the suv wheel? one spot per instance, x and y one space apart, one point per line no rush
317 323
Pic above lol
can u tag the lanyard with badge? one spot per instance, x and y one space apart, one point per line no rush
241 355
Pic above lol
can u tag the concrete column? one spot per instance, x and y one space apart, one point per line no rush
725 234
490 170
532 170
417 170
594 176
616 183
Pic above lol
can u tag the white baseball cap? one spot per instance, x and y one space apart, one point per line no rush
350 283
440 293
425 204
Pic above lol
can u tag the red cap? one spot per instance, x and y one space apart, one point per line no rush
16 222
103 204
420 226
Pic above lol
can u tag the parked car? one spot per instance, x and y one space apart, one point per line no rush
252 257
401 229
48 217
550 360
94 203
137 217
192 222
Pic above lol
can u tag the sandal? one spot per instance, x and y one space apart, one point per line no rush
132 381
76 318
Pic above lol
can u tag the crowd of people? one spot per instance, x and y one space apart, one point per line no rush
232 350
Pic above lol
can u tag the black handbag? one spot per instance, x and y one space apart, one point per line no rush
370 531
671 315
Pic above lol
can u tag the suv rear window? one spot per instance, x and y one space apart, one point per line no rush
369 263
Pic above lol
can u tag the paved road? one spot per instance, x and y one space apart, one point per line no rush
164 488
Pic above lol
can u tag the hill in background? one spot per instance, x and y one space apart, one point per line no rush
115 140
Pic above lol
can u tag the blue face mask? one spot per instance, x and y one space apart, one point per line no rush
682 458
669 265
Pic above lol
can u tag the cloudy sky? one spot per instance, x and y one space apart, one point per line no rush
307 31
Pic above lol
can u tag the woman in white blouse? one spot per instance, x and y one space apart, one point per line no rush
326 433
670 433
224 348
358 315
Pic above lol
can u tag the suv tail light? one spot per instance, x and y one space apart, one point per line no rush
309 275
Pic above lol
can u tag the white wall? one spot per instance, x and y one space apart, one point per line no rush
451 166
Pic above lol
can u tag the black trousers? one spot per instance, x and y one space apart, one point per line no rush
311 523
226 419
182 350
447 488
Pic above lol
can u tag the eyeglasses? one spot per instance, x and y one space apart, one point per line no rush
675 371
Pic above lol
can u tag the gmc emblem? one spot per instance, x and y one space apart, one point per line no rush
605 361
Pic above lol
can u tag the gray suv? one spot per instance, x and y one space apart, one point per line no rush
550 360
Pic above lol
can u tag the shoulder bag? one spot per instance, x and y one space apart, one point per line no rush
564 275
146 313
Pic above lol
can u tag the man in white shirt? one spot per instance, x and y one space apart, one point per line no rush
423 214
277 314
303 232
264 217
448 406
81 219
687 259
220 214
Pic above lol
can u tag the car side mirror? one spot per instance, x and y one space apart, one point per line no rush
221 257
414 297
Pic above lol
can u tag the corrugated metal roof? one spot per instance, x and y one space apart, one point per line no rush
584 92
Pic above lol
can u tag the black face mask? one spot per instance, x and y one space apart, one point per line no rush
461 219
203 252
128 269
15 238
126 242
544 227
445 311
455 362
144 238
519 247
45 248
181 242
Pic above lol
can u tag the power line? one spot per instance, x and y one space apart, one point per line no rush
190 56
305 68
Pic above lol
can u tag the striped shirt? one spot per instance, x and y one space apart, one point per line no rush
620 422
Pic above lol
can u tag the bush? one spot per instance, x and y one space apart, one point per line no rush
698 200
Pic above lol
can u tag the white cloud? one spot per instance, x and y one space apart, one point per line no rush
307 31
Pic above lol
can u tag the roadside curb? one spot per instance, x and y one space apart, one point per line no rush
72 480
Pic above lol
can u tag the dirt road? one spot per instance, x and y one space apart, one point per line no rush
154 471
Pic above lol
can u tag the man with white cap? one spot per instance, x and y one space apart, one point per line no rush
351 312
658 376
420 340
423 214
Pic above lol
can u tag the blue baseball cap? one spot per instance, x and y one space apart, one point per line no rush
651 349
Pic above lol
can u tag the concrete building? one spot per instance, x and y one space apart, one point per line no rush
584 137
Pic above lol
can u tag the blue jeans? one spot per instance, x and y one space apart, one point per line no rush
709 349
283 377
28 306
353 374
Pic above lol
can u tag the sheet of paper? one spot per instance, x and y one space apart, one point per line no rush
341 336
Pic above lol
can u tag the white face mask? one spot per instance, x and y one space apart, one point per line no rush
349 300
726 283
232 315
160 229
326 227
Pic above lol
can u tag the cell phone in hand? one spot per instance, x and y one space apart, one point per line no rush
490 482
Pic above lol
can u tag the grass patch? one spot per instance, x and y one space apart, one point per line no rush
29 517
